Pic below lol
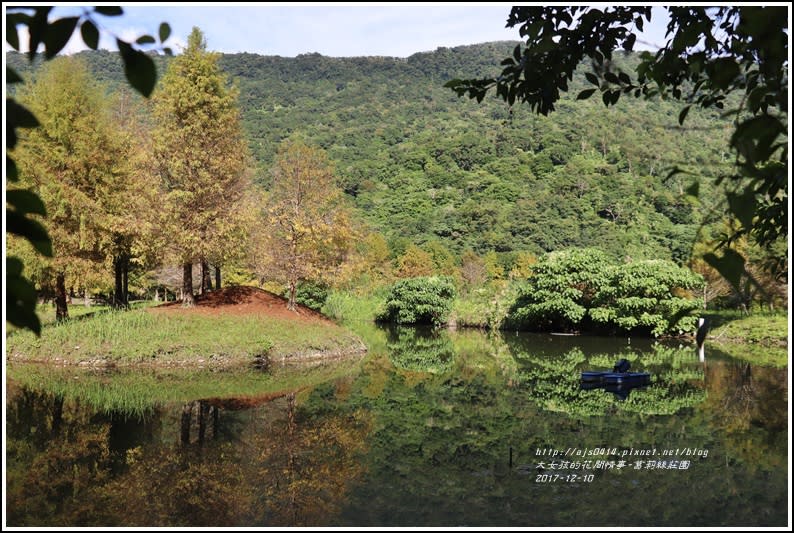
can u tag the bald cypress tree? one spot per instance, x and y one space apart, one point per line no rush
201 157
71 161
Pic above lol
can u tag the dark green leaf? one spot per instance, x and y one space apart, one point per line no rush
109 11
20 298
146 39
682 115
453 83
592 78
18 116
25 201
628 43
30 229
57 35
11 169
723 71
165 32
624 78
743 206
14 266
12 76
610 77
90 34
138 68
37 30
755 138
730 266
584 95
12 37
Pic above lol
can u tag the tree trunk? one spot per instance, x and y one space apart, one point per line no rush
125 291
184 426
206 280
291 301
61 311
118 273
187 285
203 411
217 276
57 414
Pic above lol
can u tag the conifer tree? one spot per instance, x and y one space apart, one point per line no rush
71 161
201 157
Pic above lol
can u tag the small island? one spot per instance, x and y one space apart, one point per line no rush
230 327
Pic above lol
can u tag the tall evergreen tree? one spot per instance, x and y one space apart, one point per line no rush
201 157
71 161
129 202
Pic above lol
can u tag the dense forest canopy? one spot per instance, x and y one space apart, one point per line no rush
421 166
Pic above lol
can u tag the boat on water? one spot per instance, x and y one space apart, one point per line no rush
619 376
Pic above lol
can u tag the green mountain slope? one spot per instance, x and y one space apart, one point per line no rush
422 165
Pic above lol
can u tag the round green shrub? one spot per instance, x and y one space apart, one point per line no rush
425 300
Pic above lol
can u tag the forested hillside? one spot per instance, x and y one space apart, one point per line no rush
421 165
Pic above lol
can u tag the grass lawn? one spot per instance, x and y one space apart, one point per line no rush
139 336
757 328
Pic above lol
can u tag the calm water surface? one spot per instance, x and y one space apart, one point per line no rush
429 429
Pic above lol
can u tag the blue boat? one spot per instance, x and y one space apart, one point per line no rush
627 378
619 375
616 378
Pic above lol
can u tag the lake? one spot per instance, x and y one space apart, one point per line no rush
430 428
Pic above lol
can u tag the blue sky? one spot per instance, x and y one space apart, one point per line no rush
332 30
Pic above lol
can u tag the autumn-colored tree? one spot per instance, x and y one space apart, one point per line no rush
307 232
71 160
414 263
53 34
129 201
472 269
369 265
201 157
522 265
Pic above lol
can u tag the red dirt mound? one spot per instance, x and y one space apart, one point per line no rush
243 301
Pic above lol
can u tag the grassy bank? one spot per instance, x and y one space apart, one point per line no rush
760 338
177 339
769 329
137 391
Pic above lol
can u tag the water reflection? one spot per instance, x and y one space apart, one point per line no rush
620 390
438 429
420 349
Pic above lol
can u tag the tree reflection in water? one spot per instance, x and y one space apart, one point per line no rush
420 434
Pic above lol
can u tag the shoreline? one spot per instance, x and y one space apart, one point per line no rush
212 362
